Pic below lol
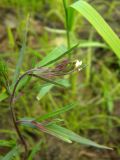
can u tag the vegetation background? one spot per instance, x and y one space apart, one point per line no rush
96 89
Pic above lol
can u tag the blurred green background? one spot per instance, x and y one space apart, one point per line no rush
96 88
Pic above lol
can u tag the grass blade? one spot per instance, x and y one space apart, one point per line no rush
46 88
35 149
56 113
21 54
10 37
47 80
58 134
55 55
96 44
74 137
62 133
3 96
5 143
12 154
43 91
99 24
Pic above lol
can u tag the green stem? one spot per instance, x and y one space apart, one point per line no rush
72 77
89 59
67 24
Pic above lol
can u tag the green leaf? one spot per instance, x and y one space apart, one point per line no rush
73 136
63 133
55 55
29 119
48 80
57 134
12 154
35 149
3 96
51 57
99 24
56 113
5 143
26 122
43 128
21 53
71 18
6 131
4 75
46 88
10 37
84 44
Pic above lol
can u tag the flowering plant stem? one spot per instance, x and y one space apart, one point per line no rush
73 77
67 26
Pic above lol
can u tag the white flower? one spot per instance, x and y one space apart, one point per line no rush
78 64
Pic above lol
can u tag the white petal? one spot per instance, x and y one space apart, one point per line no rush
78 63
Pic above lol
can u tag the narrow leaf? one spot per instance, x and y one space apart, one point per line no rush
86 44
12 154
63 133
35 149
74 137
3 96
58 134
55 55
56 113
5 143
43 128
10 37
46 88
21 53
48 80
99 24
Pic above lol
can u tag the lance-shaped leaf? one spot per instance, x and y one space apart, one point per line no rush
55 133
94 44
63 133
3 96
21 52
4 75
35 149
55 55
46 88
99 24
73 136
12 154
47 80
56 113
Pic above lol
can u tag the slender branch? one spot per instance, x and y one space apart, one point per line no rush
14 116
